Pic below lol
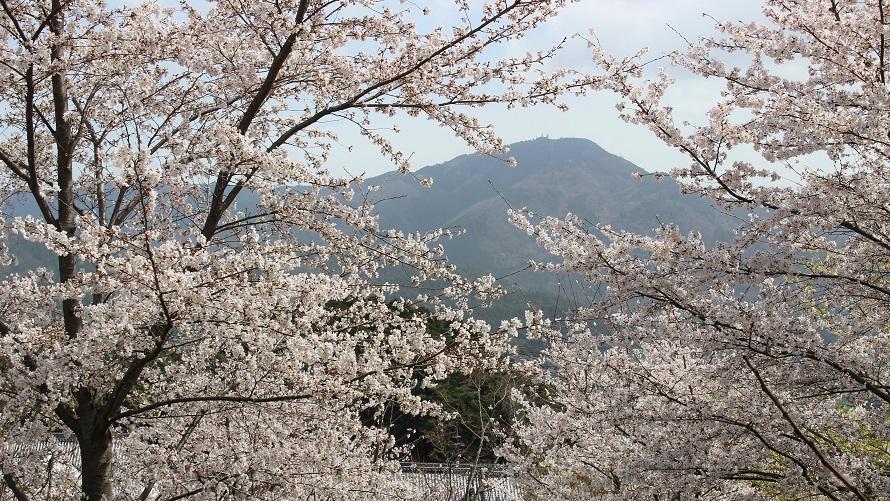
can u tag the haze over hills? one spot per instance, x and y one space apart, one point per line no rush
553 177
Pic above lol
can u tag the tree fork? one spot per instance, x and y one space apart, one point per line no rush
92 430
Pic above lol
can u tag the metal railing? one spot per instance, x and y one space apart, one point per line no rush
462 482
439 481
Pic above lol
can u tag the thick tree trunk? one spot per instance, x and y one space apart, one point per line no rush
96 468
93 433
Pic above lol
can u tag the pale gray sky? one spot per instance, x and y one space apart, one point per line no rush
622 26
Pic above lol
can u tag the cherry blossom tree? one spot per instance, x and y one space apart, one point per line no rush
216 321
757 368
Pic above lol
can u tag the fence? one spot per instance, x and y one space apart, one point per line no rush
462 482
439 481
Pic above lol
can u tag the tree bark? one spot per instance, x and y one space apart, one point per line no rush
64 170
95 441
96 460
91 426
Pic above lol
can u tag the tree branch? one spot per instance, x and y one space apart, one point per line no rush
220 202
15 22
14 166
220 398
797 431
30 137
48 19
398 76
14 487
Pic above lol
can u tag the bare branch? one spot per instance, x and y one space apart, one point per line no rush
797 431
220 398
14 487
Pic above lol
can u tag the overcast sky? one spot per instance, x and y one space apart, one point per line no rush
622 26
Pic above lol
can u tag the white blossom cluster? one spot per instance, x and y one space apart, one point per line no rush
757 368
197 345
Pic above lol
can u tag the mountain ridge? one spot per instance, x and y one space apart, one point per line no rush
553 177
473 191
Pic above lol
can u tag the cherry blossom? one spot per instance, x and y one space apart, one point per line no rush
216 321
751 369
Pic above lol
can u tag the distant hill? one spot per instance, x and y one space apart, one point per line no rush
553 177
28 255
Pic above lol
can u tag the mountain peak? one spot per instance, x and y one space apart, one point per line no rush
534 157
564 144
553 176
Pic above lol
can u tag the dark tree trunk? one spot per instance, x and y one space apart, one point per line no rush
96 471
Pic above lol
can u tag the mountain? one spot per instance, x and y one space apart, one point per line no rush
553 177
28 255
